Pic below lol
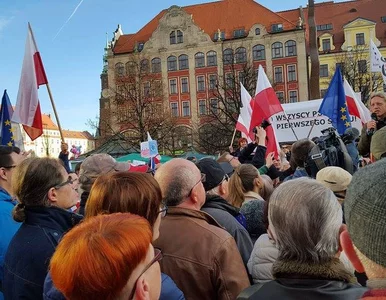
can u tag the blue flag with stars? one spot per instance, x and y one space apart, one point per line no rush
334 104
7 137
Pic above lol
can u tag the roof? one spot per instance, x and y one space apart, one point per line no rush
226 15
341 13
48 124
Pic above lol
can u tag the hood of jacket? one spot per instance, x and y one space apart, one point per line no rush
215 201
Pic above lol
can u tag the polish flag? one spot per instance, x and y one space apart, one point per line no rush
264 105
27 110
355 106
244 120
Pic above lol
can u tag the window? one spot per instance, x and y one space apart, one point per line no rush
199 60
212 81
173 86
222 35
362 66
146 89
383 19
257 31
202 107
360 37
242 77
324 27
238 33
229 80
183 62
180 37
211 58
277 27
228 56
280 96
130 68
323 71
184 85
214 106
144 65
258 52
140 46
200 83
291 73
172 63
290 48
277 50
185 109
278 74
172 38
174 108
241 55
293 96
120 69
326 44
156 65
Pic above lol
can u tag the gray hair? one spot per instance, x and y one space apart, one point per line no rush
378 94
305 218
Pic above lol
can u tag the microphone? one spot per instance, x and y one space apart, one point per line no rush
375 118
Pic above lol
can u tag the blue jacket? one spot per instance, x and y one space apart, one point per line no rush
29 253
8 228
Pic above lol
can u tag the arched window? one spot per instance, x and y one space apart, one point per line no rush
172 63
144 66
241 55
180 37
199 60
130 68
156 65
228 56
277 50
290 48
211 58
120 69
257 31
172 37
183 62
258 52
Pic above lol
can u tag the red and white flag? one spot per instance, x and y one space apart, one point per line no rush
244 120
355 106
264 105
27 110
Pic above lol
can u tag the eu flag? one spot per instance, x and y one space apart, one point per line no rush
334 104
6 112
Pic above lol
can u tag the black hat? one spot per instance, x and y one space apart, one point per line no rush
227 167
213 171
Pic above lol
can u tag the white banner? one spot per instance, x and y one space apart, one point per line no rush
301 116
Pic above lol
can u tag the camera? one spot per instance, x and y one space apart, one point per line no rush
263 125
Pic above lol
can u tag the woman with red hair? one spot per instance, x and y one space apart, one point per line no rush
108 257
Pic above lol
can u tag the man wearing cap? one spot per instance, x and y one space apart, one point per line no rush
364 241
200 256
228 216
336 179
91 168
378 144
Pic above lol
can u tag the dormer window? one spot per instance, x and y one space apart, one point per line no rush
257 31
326 44
277 27
360 38
324 27
239 33
222 35
140 46
176 37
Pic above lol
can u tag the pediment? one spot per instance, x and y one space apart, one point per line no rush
359 22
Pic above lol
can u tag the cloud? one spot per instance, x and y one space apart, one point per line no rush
4 22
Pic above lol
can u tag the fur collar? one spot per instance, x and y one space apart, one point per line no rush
330 270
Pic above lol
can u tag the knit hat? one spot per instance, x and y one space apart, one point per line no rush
334 178
213 171
378 143
365 211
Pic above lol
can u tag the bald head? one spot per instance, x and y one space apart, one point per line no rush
176 178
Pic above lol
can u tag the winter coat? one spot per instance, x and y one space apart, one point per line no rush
8 228
200 256
30 251
225 214
253 210
365 140
83 201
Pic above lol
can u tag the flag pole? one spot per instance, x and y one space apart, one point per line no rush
48 89
233 138
286 117
312 127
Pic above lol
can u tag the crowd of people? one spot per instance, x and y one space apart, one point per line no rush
249 225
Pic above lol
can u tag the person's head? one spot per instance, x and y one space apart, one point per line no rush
216 180
378 144
242 143
108 257
10 157
336 179
299 152
378 104
136 193
64 146
45 182
305 219
268 187
233 160
98 164
245 179
181 184
365 216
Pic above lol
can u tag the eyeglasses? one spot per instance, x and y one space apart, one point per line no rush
163 211
68 181
202 179
157 257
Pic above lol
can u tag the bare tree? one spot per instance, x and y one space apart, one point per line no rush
314 54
